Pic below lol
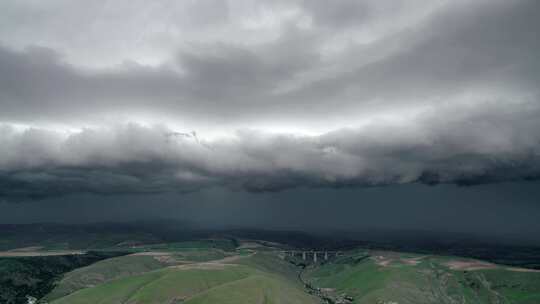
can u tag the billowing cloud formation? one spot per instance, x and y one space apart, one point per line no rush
472 145
282 94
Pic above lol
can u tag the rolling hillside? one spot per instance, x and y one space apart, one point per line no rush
234 279
389 277
221 271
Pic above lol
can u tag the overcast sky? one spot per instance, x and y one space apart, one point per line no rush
174 97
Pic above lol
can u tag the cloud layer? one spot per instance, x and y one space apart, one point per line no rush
281 95
472 145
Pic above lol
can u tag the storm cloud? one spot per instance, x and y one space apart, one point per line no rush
475 145
116 98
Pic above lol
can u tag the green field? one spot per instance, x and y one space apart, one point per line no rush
229 271
387 277
258 278
103 271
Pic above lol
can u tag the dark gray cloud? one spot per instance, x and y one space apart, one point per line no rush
475 145
281 95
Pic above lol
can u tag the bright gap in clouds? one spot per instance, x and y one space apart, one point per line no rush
211 132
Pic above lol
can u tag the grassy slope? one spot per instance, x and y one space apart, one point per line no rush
516 287
101 272
125 266
261 288
35 276
199 255
264 278
368 282
197 251
430 281
261 278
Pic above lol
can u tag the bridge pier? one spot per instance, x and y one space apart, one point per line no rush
325 255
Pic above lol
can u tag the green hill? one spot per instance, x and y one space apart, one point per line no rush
138 263
246 279
103 271
259 288
388 277
211 275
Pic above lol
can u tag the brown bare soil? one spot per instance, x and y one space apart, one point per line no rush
36 251
470 265
518 269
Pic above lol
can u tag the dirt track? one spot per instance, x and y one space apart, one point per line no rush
35 251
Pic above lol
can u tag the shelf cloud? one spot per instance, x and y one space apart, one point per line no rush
137 97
